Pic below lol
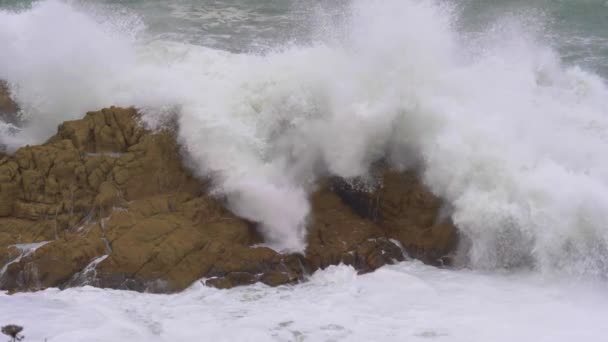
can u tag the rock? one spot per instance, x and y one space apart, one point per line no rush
106 193
8 107
107 203
9 115
13 331
51 264
406 211
232 280
338 235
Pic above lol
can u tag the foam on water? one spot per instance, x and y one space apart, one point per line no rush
406 302
511 138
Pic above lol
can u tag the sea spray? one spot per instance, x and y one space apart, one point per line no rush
510 137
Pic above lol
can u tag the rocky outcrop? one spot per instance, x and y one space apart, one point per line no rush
117 209
338 235
406 211
107 203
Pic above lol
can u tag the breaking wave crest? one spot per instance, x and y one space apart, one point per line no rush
511 138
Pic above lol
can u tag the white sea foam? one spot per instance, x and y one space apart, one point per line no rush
406 302
511 138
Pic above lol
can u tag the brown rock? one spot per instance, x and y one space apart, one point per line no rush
407 212
232 280
117 209
68 182
51 264
107 203
8 107
338 235
111 130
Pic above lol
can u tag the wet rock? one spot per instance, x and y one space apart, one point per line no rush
117 209
51 264
107 203
338 235
406 211
232 280
13 331
8 107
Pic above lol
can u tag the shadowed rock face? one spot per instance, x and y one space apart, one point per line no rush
106 203
406 211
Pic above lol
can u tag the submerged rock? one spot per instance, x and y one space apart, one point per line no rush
107 203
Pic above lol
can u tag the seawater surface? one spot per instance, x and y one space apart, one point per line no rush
406 302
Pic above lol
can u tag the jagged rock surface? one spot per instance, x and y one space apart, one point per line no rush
107 203
406 211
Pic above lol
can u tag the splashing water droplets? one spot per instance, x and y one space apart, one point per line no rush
513 140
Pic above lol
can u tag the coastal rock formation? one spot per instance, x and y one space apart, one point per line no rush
406 211
108 203
338 235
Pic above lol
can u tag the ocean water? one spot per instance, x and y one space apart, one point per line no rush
502 105
406 302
